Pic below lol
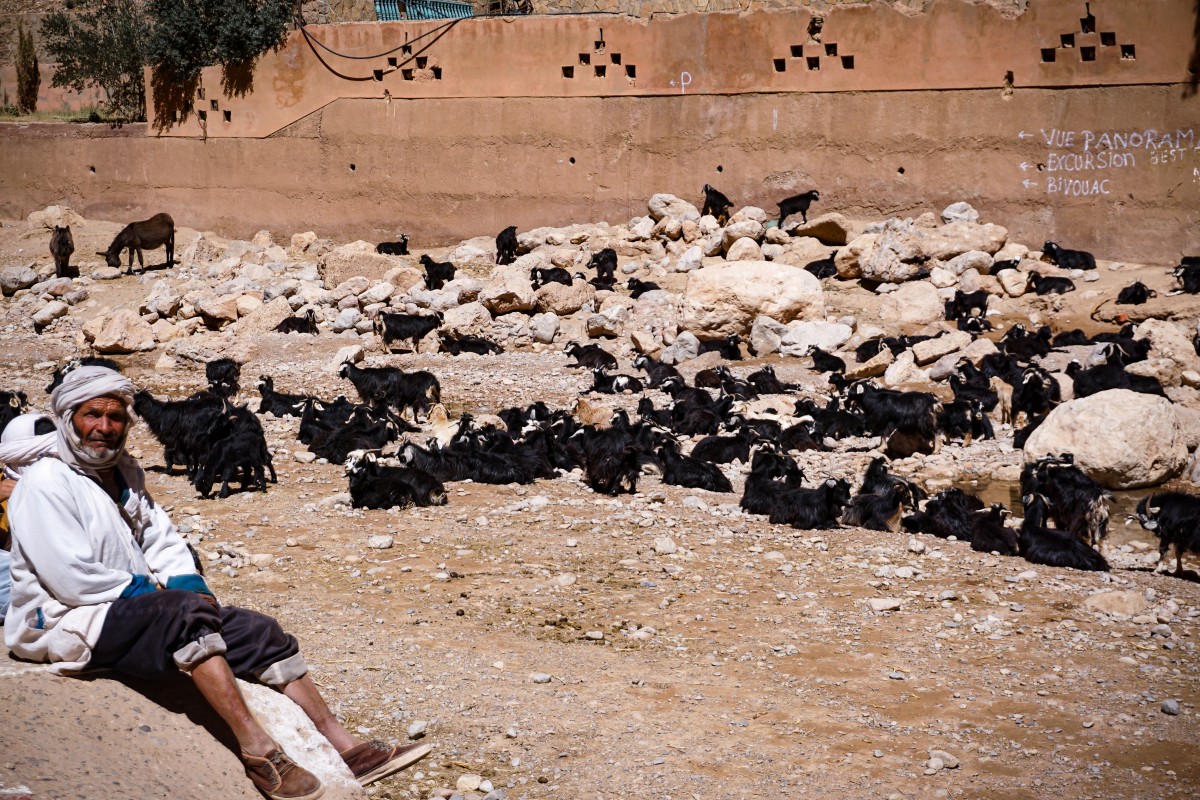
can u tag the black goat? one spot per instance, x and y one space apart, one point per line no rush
966 421
770 472
812 509
716 204
1023 345
1068 259
888 412
1003 264
879 480
604 383
823 267
374 485
681 470
1135 294
989 534
59 373
13 403
365 430
410 327
397 248
590 356
967 304
611 460
1036 394
605 264
878 512
62 245
1110 376
727 347
457 345
1188 275
304 324
158 231
243 451
1174 517
725 449
437 273
765 381
656 371
797 203
803 436
637 287
540 276
947 514
417 391
1077 504
1045 284
223 375
185 428
971 385
278 403
1041 545
506 245
824 362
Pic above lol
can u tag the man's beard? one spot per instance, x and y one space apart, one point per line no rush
101 450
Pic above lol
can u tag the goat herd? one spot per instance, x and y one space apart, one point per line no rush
218 441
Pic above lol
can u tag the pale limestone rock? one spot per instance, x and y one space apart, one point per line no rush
831 229
351 287
645 342
916 302
350 354
725 299
975 352
931 350
354 259
124 331
543 327
977 260
1014 282
871 368
1141 443
685 347
801 337
744 249
690 260
55 216
956 238
507 291
903 371
13 279
469 319
942 278
1127 603
247 304
766 335
564 300
959 212
217 311
668 206
404 279
745 229
379 293
48 313
263 239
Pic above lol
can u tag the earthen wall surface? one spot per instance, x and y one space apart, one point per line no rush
1100 154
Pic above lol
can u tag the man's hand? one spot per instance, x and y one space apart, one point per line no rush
6 488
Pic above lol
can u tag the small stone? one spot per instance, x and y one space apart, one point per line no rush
262 560
948 760
511 733
878 754
896 676
417 729
1171 708
540 677
304 457
595 636
916 546
564 580
881 604
665 545
468 783
380 542
291 542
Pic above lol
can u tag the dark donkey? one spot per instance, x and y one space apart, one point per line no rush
61 247
148 234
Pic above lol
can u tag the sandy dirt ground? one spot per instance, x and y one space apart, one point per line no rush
559 643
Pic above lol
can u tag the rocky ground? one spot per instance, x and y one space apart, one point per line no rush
554 642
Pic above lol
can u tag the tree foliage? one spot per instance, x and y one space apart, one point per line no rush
192 34
101 44
29 80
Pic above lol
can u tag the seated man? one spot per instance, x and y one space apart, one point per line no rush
15 440
101 578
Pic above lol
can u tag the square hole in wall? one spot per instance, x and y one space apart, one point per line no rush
831 50
1108 39
598 46
616 58
1067 39
228 115
202 114
406 49
585 59
630 71
814 63
780 65
601 70
1048 55
392 62
377 74
1087 53
568 72
200 93
422 61
437 73
1127 52
1087 24
407 74
847 62
215 105
797 50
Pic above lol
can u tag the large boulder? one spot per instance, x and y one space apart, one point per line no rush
833 229
671 207
469 319
354 259
508 290
916 302
52 216
960 237
744 229
766 335
801 337
563 300
13 279
960 212
726 298
1121 439
265 318
121 332
1168 341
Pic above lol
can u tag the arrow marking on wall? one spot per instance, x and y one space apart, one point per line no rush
1027 184
1025 166
1024 135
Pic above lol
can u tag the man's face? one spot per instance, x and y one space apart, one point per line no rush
101 424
